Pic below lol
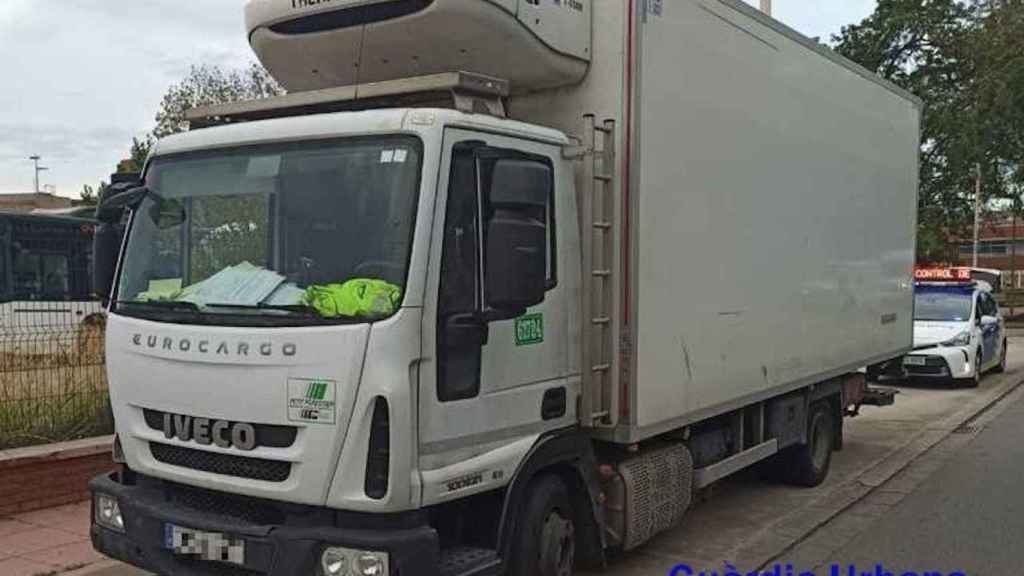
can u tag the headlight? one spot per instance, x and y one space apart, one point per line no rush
108 512
338 561
961 339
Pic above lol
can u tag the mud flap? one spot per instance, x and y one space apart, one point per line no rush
877 396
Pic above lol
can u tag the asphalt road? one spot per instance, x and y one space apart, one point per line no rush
966 517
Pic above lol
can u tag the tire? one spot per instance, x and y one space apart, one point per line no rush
545 540
1001 367
974 381
808 464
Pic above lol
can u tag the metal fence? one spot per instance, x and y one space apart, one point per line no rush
53 384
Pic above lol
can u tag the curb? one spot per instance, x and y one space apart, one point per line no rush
92 569
778 538
53 452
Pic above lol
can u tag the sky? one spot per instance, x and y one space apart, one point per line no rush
80 78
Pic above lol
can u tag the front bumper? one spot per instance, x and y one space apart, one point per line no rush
941 362
280 539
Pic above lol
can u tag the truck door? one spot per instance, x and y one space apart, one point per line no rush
990 329
489 389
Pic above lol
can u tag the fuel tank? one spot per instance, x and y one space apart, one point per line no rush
316 44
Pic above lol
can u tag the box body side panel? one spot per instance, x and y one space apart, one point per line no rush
775 212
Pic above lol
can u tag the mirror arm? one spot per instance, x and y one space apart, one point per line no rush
494 315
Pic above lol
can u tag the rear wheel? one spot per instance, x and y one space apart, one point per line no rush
1001 367
808 464
545 543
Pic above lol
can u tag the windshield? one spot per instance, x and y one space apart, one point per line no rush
942 305
317 231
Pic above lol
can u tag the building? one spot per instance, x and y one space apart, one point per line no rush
27 202
999 247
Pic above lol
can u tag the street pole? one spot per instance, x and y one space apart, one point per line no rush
1013 256
36 158
977 211
766 7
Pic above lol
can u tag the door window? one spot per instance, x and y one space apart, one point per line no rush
459 294
989 306
41 275
462 324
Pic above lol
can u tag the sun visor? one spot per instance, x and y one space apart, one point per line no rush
317 44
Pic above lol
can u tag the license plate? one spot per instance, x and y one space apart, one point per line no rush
212 546
914 360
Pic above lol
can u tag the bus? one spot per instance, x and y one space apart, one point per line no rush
45 279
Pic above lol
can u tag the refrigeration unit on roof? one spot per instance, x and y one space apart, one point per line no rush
318 44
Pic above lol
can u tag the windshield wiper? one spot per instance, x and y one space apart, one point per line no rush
164 304
293 308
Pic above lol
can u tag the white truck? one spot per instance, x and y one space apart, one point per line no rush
497 286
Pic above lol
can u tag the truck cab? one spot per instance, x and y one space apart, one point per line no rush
224 375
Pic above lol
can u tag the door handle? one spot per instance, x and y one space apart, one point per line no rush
553 404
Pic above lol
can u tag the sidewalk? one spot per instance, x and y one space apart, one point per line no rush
47 541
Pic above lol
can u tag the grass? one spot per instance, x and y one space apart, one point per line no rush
53 387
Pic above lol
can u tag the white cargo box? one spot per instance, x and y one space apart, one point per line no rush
766 201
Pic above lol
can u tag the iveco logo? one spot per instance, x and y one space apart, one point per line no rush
205 346
207 431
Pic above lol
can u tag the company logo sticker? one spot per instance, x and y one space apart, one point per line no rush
312 400
529 329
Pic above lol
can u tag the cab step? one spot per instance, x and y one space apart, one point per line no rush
466 561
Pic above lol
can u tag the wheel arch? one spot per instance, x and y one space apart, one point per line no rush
568 454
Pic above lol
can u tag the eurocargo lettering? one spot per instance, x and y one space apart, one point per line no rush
486 267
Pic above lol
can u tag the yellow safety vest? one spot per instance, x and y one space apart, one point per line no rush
360 297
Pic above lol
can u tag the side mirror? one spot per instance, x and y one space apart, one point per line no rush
106 246
516 199
118 198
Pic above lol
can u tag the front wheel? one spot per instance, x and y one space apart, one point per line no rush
975 380
545 543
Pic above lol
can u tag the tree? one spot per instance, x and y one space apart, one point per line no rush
88 195
202 86
963 59
205 85
137 155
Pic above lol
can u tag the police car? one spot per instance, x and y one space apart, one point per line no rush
958 331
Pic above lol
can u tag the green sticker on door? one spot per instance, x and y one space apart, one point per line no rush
529 329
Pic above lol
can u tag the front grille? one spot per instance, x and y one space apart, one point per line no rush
226 464
268 435
226 506
927 370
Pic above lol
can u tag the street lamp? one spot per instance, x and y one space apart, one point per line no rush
36 158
